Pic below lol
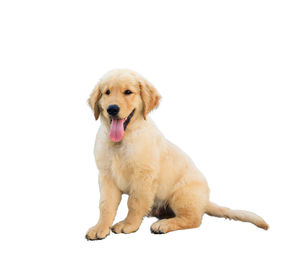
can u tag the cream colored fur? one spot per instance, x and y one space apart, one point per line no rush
160 179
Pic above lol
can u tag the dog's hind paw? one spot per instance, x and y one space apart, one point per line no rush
160 227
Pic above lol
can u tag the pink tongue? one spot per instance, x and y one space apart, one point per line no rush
116 130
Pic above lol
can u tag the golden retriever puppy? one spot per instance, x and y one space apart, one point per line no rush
134 158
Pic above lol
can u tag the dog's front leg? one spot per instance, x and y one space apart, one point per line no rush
110 197
140 201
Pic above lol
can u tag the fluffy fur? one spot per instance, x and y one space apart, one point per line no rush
159 178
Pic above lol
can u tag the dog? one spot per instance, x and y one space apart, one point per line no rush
133 157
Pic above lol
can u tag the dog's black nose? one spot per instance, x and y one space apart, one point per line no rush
113 109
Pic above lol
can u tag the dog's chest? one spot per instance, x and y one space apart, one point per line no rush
121 163
121 168
121 173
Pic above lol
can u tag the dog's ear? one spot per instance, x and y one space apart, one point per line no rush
149 95
93 101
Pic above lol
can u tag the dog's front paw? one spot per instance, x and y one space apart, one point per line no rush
124 227
97 233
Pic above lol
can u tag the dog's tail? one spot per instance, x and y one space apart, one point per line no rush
213 209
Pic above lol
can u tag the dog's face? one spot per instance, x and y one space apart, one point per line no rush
120 98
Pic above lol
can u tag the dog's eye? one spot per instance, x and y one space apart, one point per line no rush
127 92
107 92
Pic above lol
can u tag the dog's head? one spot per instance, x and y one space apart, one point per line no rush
121 97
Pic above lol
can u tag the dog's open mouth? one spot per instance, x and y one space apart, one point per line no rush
118 126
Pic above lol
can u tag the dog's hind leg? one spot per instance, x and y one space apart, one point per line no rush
188 204
162 212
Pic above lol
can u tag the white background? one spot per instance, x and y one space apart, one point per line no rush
228 72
